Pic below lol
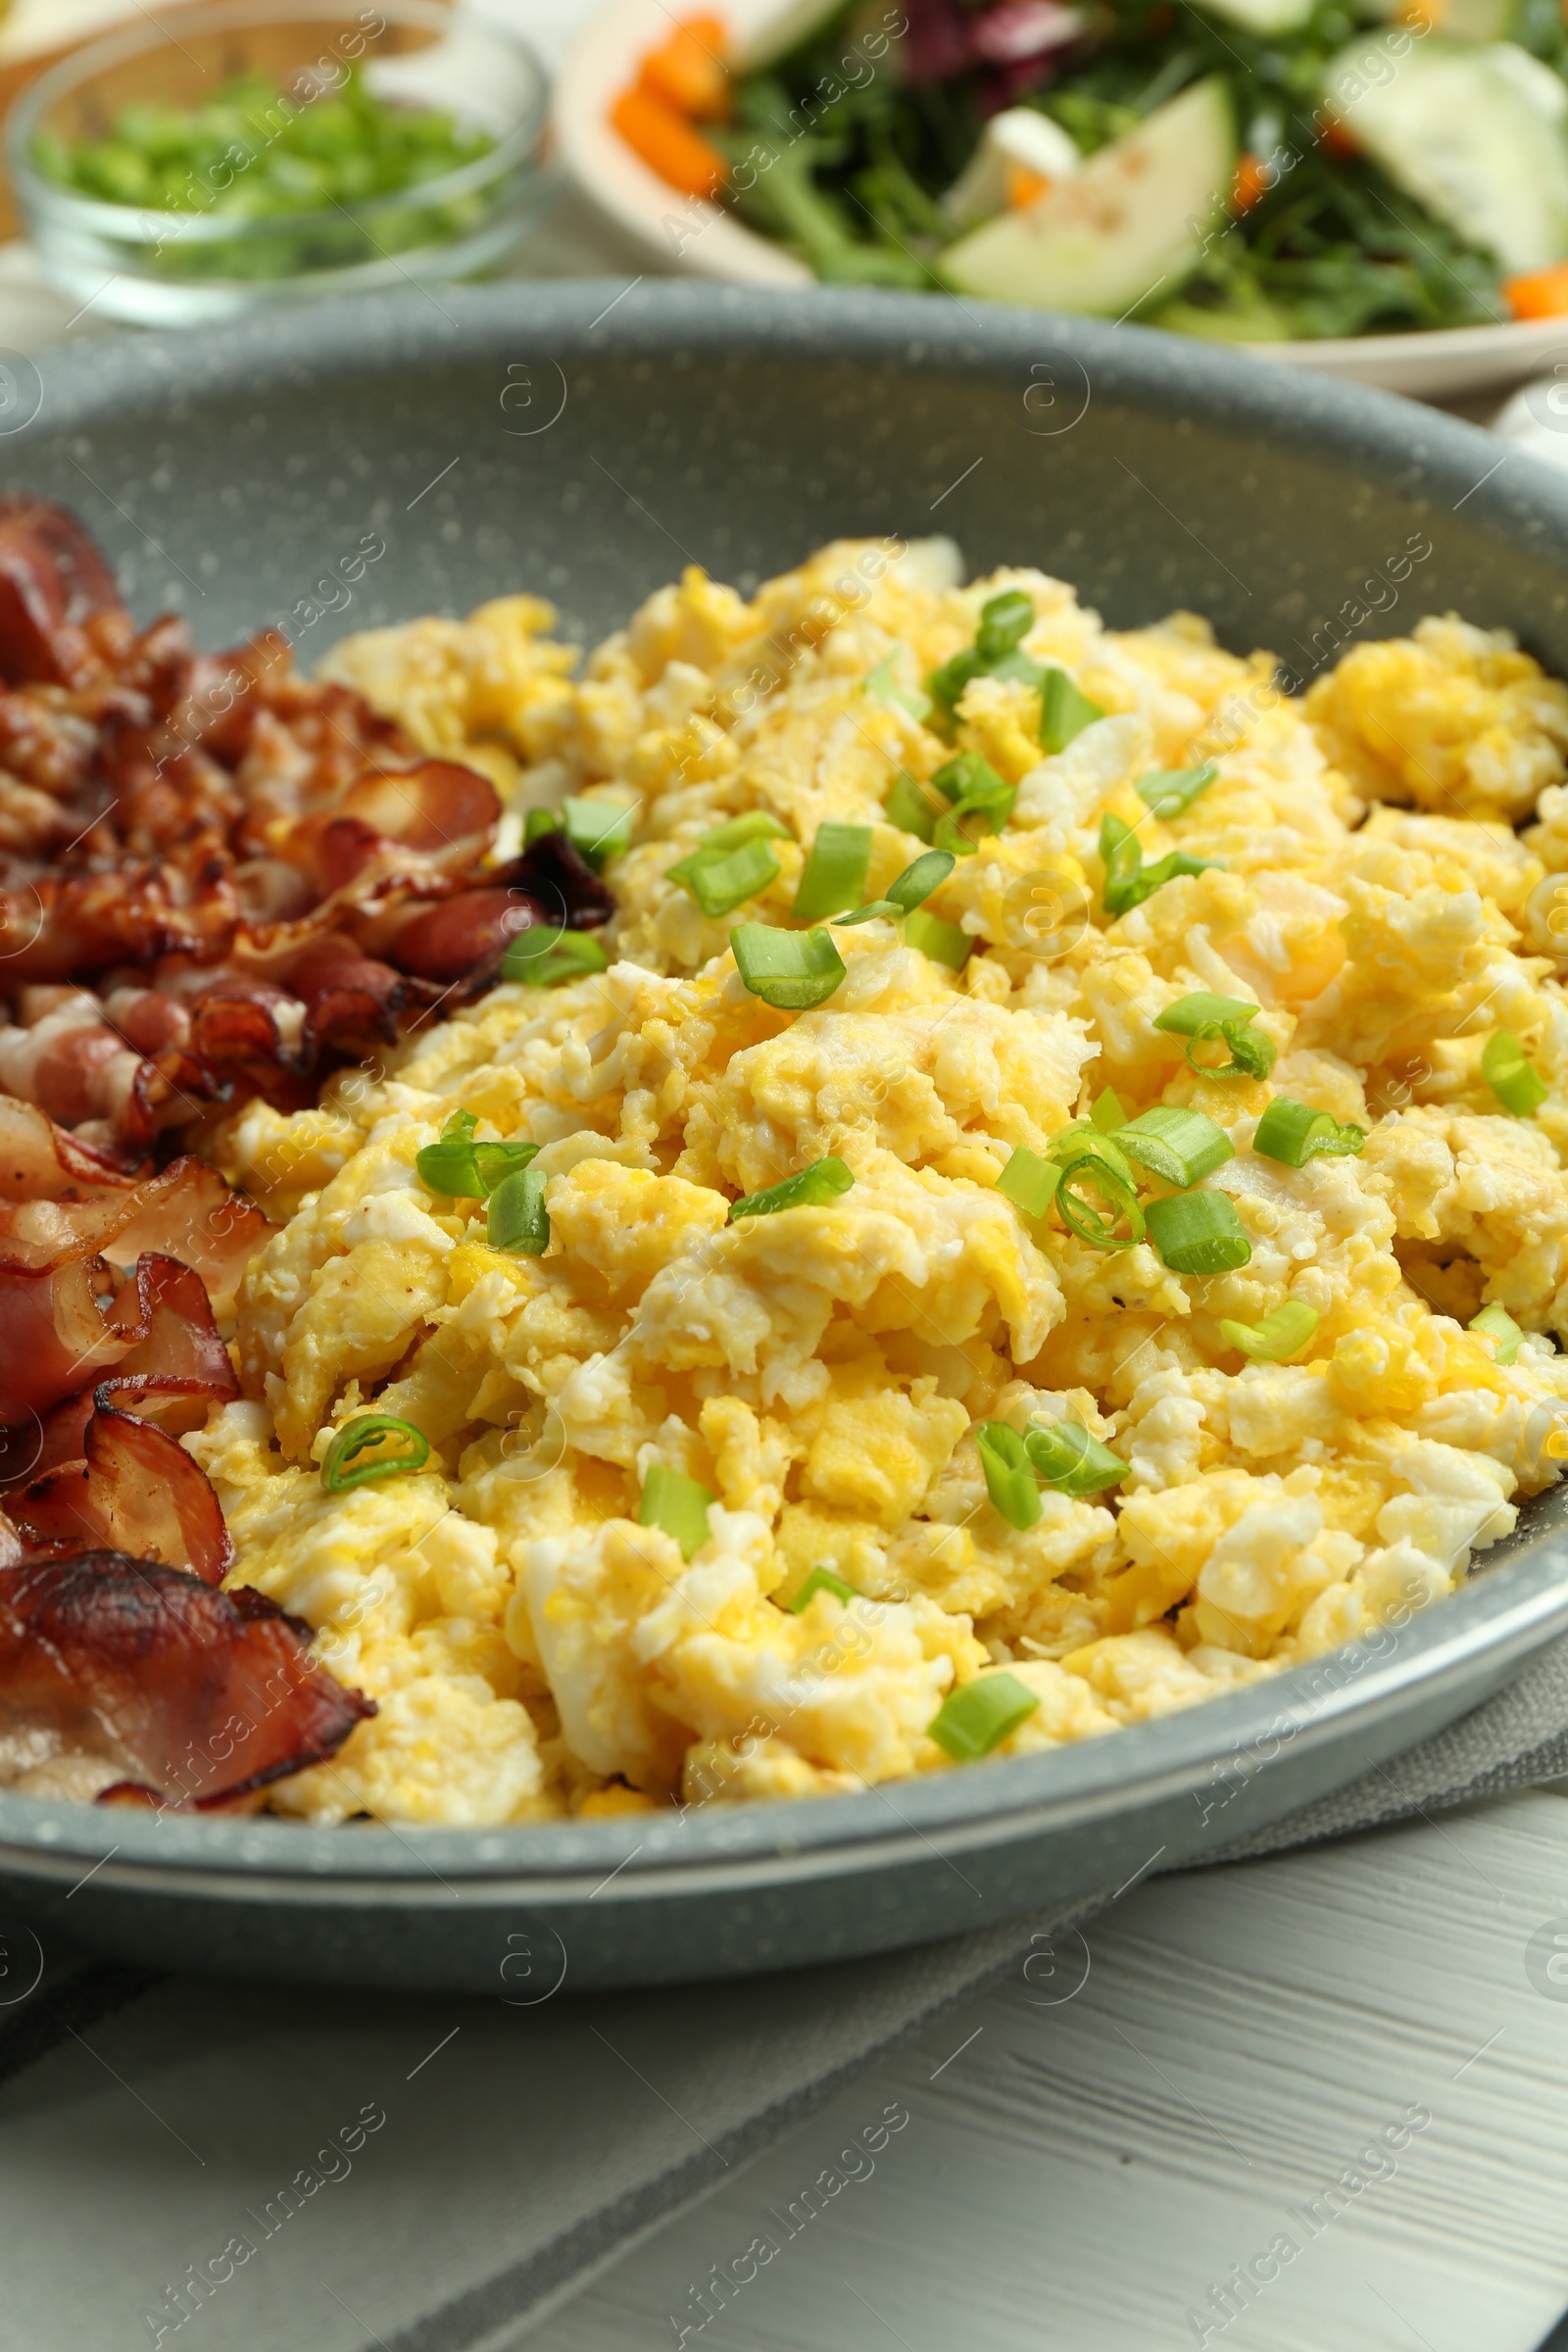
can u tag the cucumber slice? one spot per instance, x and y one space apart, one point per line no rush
1132 220
1473 132
1265 18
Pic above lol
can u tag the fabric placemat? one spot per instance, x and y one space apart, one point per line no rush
267 2167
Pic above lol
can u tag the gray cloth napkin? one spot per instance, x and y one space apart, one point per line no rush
257 2168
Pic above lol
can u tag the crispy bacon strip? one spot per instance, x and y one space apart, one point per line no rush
202 1697
53 580
64 1321
134 1490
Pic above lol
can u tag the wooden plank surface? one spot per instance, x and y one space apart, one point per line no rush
1086 2173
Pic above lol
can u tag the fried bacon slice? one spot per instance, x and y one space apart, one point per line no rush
200 1696
218 878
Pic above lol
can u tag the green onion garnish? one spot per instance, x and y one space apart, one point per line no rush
465 1171
975 790
753 824
1108 1112
405 1448
834 874
822 1579
791 970
1501 1330
537 823
1010 1479
810 1188
1029 1182
600 829
1293 1133
1064 712
1282 1334
910 889
1069 1459
944 942
1203 1014
517 1218
1199 1232
912 806
1087 1158
972 1721
1180 1146
881 685
449 1166
1171 791
678 1504
1518 1086
543 957
1128 880
1005 620
724 879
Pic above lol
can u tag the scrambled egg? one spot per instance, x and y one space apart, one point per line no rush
822 1371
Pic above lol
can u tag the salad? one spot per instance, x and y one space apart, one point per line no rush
1253 170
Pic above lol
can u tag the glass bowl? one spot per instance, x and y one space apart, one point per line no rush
159 268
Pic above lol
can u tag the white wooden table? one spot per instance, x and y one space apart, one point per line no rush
1103 2161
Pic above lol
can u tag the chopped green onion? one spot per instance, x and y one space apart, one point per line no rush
542 956
1171 791
1009 1479
517 1218
1128 881
1500 1329
1108 1112
822 1579
833 878
1089 1158
944 942
1293 1133
810 1188
600 829
449 1166
1029 1182
975 1719
1005 620
910 806
678 1504
974 788
495 1162
1282 1334
1083 1140
1203 1014
1180 1146
1518 1086
914 885
721 881
791 970
753 824
883 687
342 1468
1069 1459
465 1171
1199 1232
537 823
1064 712
1003 624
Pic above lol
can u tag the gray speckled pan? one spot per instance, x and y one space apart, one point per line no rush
586 442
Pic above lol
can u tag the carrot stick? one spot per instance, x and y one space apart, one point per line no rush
1539 293
668 143
689 72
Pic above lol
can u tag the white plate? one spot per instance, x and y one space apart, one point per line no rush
703 240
